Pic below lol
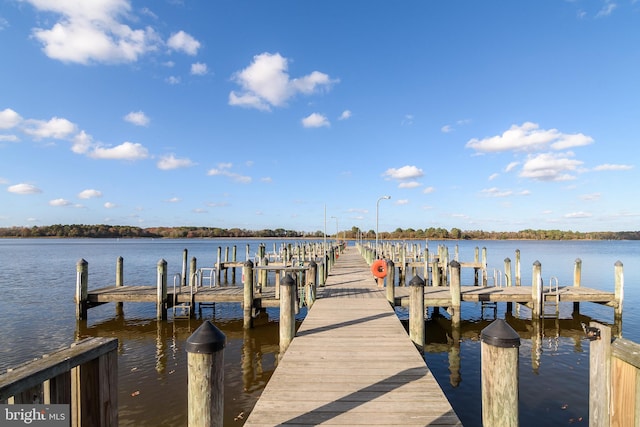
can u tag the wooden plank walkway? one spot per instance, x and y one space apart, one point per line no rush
352 363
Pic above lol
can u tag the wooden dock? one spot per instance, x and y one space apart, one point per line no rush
352 363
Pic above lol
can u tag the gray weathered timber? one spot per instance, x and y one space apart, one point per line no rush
352 363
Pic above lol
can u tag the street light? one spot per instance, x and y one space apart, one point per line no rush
377 208
336 218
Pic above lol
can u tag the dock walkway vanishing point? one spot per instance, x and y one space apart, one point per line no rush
352 363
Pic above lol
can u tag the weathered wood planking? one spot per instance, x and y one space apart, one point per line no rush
352 363
204 294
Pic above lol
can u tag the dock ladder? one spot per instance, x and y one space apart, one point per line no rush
181 310
205 276
492 305
551 307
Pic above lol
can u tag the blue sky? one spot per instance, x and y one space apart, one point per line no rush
492 115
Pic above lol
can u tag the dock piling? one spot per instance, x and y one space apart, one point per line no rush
185 260
82 289
205 363
193 267
456 297
247 300
161 283
311 284
391 279
287 311
618 291
536 291
416 312
119 283
499 371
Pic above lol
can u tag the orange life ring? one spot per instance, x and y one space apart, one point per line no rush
379 268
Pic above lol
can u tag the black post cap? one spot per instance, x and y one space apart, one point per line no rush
500 334
416 281
207 339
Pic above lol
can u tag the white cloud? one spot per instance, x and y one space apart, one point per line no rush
184 42
578 215
24 189
92 31
493 176
89 194
410 184
346 114
529 137
223 170
593 197
138 118
265 83
170 162
82 142
428 190
109 205
55 128
199 69
495 192
59 202
550 167
315 120
607 9
446 129
511 166
124 151
405 172
610 167
308 84
173 200
9 119
9 138
402 202
408 120
172 80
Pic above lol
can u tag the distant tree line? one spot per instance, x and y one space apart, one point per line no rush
125 231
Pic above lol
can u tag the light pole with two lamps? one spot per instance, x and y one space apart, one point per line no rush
377 208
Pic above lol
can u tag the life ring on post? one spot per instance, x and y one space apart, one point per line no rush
379 268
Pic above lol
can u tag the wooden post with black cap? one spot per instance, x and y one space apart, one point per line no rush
205 362
499 349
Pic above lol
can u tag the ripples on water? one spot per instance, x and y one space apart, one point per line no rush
37 281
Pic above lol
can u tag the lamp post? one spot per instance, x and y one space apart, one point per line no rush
377 208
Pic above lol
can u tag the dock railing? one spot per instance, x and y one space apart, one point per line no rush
84 376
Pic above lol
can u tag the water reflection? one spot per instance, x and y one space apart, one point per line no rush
153 364
445 336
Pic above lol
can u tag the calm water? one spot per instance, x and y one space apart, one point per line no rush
37 315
